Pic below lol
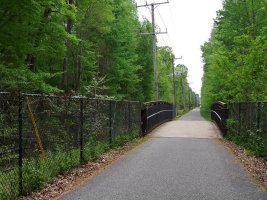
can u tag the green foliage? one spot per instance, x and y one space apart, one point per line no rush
37 171
254 141
32 38
65 46
144 51
9 184
170 77
165 64
123 139
235 56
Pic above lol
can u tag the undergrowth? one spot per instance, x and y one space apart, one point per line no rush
255 141
37 171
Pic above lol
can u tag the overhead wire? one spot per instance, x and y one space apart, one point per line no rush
163 39
172 20
169 39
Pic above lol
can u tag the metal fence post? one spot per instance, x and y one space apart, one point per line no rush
81 130
239 118
20 144
129 118
258 115
110 122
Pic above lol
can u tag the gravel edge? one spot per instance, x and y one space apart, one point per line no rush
255 166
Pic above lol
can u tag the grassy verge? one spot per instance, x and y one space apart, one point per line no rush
180 113
205 114
36 172
74 178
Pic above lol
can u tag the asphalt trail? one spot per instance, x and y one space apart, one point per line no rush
172 166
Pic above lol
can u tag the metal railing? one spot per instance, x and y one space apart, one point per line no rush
42 136
156 113
219 114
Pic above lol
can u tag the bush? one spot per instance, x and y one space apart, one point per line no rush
254 141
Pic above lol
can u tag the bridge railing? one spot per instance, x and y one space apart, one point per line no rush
219 114
156 113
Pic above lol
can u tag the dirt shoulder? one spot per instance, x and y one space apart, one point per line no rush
72 179
256 167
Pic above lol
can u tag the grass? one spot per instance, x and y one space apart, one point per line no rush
205 114
37 171
180 113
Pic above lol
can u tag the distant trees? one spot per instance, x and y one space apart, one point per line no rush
185 97
235 57
80 46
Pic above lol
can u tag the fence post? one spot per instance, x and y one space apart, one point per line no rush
258 115
20 144
129 118
239 118
142 121
81 131
110 121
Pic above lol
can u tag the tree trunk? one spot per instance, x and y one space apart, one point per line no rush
65 62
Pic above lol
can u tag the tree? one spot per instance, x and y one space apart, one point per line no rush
235 56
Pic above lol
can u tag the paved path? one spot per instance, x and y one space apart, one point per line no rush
182 161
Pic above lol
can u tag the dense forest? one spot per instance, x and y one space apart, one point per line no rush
235 57
83 47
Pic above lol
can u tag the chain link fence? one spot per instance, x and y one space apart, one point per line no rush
9 146
247 125
43 136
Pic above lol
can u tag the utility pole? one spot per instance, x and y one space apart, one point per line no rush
154 41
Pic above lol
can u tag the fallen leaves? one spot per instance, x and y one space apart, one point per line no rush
257 167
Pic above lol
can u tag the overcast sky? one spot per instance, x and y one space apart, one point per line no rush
189 23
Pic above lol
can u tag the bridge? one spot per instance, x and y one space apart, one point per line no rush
184 159
43 136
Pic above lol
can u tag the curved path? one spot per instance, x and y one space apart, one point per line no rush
182 161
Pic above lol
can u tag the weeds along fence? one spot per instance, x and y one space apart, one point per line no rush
42 136
247 126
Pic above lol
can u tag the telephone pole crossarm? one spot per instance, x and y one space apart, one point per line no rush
145 5
156 33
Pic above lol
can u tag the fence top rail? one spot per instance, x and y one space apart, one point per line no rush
75 97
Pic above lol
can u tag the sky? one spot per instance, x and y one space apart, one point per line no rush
189 24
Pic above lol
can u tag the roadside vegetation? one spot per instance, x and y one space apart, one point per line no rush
38 171
235 70
75 47
235 67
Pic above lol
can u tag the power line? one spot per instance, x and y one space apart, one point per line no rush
169 39
164 40
172 19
